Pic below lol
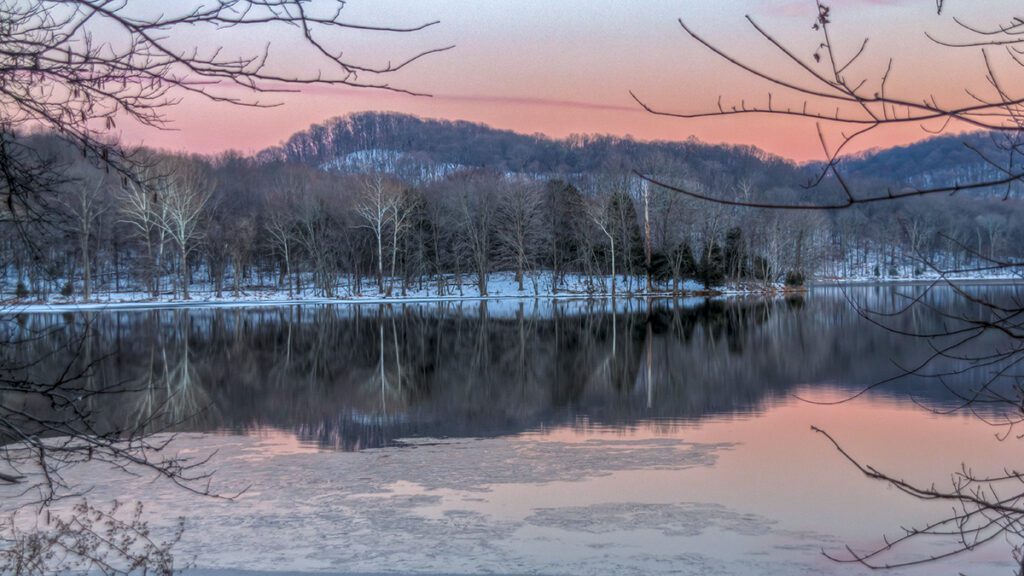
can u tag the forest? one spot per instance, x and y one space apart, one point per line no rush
388 205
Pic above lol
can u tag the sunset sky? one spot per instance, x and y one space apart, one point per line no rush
567 67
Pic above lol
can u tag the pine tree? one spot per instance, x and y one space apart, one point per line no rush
735 259
712 268
629 244
565 218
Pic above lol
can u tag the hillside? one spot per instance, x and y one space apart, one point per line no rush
938 161
454 205
430 149
424 150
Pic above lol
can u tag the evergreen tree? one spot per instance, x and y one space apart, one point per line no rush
629 242
661 266
735 257
687 264
712 268
565 219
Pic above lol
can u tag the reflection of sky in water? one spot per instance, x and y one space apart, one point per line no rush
750 495
590 463
780 491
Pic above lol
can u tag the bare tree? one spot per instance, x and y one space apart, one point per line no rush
140 207
645 195
828 87
86 203
114 541
605 222
377 206
476 201
775 244
518 228
185 195
403 209
280 229
565 224
441 241
994 226
78 68
81 66
314 229
829 93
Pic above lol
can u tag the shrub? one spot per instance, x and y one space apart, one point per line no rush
116 539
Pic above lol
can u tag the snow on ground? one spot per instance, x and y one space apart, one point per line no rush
500 287
922 279
904 267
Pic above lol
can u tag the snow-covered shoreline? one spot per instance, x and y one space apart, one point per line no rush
500 288
916 281
249 302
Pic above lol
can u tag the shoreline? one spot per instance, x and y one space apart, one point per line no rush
48 307
996 281
275 300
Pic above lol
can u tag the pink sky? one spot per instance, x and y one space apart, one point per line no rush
567 67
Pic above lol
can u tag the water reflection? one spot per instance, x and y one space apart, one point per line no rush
352 377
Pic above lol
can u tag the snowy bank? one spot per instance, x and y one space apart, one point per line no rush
501 286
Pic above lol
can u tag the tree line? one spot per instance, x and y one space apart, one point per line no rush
232 224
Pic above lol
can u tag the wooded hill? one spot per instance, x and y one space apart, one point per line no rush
392 204
354 142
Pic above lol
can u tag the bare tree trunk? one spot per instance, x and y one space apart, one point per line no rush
647 235
612 239
799 266
288 270
157 264
380 263
236 288
86 276
184 273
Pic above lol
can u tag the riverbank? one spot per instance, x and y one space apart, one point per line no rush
966 280
501 286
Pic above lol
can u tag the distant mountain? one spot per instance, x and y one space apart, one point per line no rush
422 149
939 161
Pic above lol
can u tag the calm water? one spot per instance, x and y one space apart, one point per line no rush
566 437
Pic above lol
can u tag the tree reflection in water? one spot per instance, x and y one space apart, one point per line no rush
352 377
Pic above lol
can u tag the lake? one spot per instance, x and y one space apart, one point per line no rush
539 437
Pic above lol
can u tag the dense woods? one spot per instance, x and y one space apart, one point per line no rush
392 205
